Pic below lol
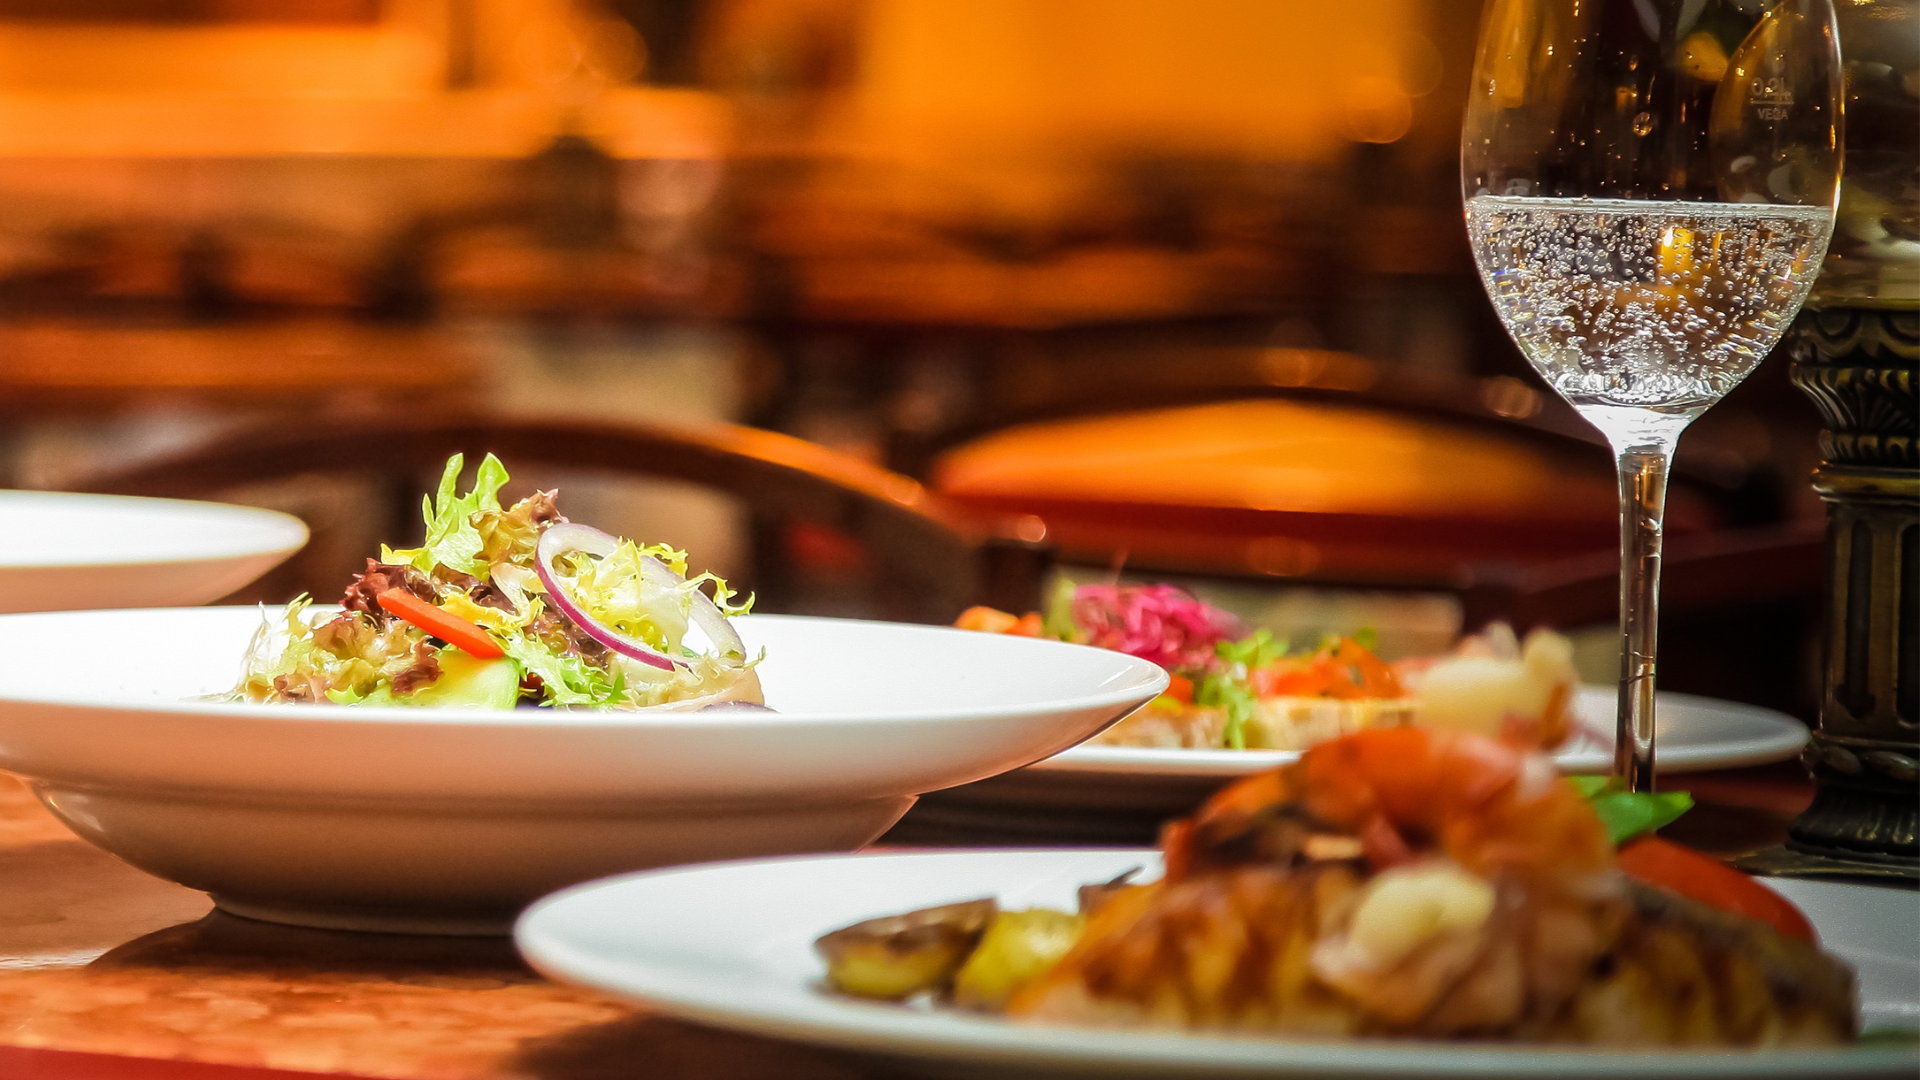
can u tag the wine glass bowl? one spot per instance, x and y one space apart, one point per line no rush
1650 188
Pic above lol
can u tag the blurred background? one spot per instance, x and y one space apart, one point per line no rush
1181 286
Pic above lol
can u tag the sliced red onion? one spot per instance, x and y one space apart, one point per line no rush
563 538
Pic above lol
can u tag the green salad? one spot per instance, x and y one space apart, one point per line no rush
510 606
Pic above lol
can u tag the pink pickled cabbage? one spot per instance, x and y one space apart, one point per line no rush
1159 623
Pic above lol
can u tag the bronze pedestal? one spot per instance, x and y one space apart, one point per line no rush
1858 364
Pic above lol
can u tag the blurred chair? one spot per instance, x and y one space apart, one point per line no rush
1280 462
1348 492
926 562
1102 377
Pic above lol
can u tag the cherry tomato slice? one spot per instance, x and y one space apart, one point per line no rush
1712 882
1180 688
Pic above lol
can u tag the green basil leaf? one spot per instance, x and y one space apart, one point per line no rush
1628 814
1589 786
1057 621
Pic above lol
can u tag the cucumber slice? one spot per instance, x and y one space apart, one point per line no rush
467 682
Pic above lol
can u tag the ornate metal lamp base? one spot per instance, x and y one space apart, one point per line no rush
1786 862
1859 365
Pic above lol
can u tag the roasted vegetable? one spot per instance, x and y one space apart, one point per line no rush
898 956
1094 897
1018 947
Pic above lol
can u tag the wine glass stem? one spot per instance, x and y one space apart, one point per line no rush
1643 501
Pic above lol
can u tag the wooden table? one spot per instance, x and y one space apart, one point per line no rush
107 973
97 958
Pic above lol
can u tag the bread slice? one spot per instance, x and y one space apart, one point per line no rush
1278 723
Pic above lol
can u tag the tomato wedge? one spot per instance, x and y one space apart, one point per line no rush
1179 688
1712 882
469 637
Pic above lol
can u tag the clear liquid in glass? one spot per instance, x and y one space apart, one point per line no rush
1640 311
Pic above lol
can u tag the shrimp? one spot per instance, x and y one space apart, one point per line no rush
1486 805
1427 883
1495 684
1424 881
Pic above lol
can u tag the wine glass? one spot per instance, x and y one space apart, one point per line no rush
1650 186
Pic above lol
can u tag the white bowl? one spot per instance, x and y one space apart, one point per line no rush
451 820
63 552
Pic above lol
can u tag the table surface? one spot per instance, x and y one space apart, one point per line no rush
97 958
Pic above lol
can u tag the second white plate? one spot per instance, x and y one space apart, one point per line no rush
1094 794
1694 734
66 552
731 945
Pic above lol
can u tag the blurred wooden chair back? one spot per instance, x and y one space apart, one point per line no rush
925 562
1093 383
1341 494
1088 383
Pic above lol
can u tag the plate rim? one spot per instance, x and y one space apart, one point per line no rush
1142 681
1785 738
293 532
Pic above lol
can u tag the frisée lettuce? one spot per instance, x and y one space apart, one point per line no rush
465 619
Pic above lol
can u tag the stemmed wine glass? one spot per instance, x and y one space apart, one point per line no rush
1650 186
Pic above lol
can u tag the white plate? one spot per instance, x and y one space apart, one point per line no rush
452 819
1693 734
1120 794
61 552
732 945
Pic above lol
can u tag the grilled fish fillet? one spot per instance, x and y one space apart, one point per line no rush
1234 950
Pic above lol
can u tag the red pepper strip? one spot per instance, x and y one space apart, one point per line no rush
1376 678
1712 882
470 637
1289 678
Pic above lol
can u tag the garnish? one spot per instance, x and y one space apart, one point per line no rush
1628 814
1711 882
1229 693
1159 623
1057 621
469 637
1252 652
1229 689
636 602
1630 817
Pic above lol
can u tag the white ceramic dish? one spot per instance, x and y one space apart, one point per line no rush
1120 794
451 820
732 945
64 552
1694 734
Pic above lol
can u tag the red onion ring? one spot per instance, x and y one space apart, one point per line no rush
562 538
